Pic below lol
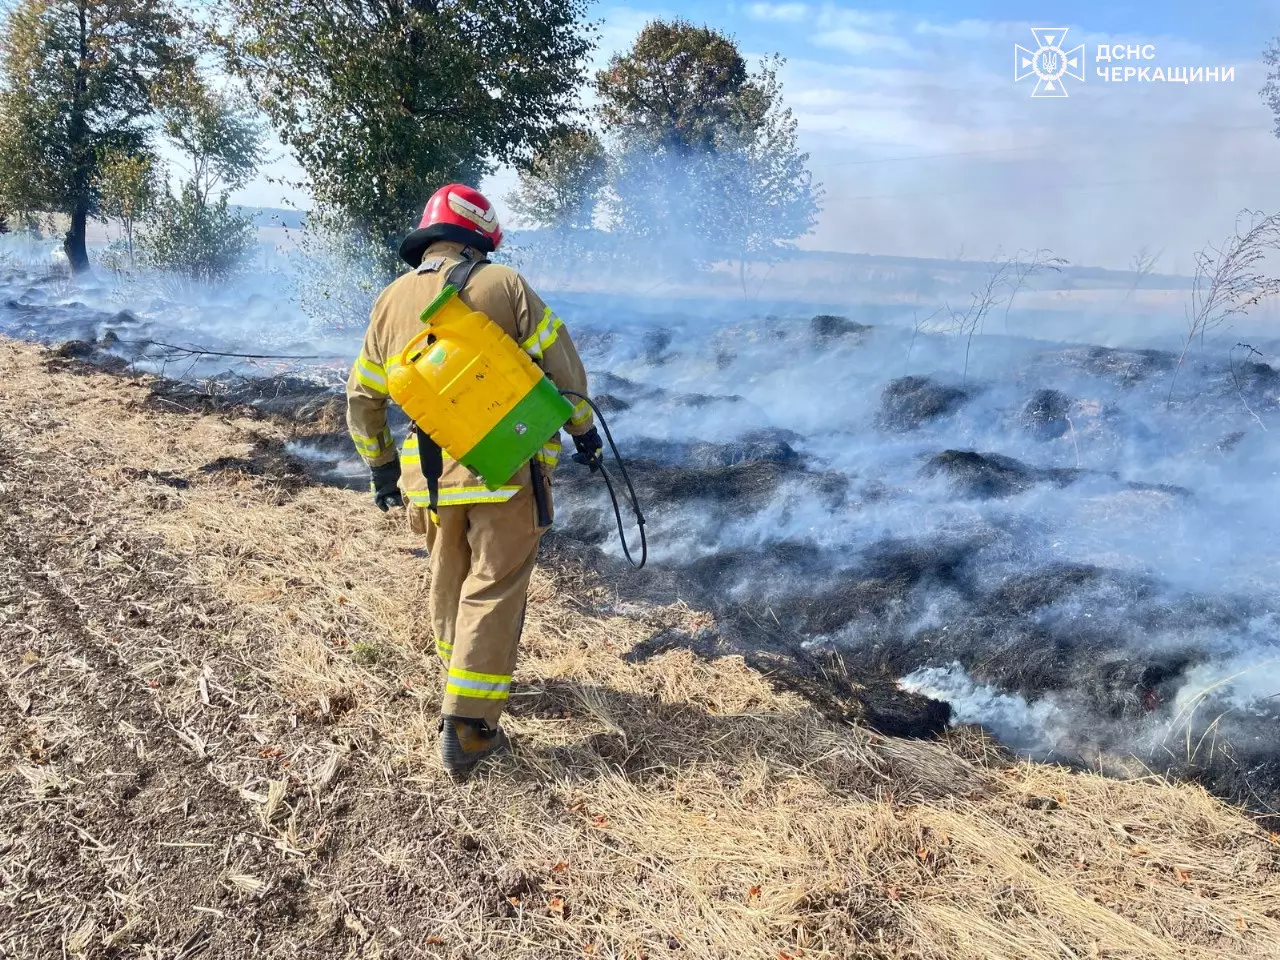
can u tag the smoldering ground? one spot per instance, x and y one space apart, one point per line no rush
1068 543
1075 545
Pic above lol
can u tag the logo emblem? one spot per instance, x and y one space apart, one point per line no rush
1049 62
521 429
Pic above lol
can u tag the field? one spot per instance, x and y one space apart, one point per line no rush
219 741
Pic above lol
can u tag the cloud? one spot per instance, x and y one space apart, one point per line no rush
859 41
781 12
968 29
861 32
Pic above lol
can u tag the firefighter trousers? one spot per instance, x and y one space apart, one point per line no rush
482 557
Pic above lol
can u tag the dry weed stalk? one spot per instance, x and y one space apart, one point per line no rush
1250 351
1141 266
1006 278
1229 280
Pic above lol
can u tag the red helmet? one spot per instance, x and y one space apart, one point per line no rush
455 212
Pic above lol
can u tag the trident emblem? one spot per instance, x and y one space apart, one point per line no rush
1049 62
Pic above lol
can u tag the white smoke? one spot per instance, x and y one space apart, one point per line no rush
1038 726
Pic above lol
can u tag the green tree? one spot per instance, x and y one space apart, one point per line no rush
559 189
219 135
6 205
191 232
205 241
678 89
77 78
341 270
1270 91
706 163
127 191
383 101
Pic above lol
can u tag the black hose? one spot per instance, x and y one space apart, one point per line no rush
631 490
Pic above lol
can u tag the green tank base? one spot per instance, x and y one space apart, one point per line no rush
519 435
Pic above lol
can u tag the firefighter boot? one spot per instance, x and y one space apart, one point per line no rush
465 742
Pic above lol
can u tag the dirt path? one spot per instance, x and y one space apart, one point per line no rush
217 731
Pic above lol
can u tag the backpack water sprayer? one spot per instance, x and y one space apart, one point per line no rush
474 394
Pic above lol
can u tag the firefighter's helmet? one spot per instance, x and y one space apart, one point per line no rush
455 212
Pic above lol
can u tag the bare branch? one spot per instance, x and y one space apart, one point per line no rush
1024 266
1250 351
1143 262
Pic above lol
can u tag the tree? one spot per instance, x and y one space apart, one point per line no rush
759 192
127 191
205 241
80 77
707 164
219 135
383 101
559 189
1271 89
678 89
6 205
190 232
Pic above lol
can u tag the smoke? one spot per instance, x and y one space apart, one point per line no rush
1038 726
1040 533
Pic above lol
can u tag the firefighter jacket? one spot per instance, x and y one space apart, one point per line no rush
505 298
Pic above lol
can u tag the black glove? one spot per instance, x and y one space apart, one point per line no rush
386 485
589 449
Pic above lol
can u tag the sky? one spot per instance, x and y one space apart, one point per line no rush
926 145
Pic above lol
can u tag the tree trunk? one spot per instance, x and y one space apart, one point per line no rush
73 244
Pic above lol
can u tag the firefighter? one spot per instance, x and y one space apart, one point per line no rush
482 542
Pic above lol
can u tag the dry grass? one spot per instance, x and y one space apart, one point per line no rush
670 808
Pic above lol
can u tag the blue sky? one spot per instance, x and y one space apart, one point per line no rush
926 146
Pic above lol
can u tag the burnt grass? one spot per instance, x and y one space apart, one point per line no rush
986 476
910 402
841 629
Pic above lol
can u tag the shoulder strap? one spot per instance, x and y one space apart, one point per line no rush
461 272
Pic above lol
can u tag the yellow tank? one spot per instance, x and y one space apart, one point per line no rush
466 383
